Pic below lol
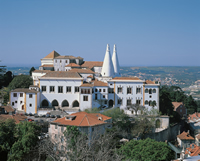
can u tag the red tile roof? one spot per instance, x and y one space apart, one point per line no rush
52 55
83 119
99 83
72 65
62 74
193 150
8 108
91 64
177 104
41 71
25 90
185 136
195 115
86 71
66 57
17 118
149 82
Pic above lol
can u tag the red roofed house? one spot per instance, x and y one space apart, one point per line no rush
180 108
192 150
89 123
185 139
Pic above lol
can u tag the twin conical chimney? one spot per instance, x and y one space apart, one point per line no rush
110 66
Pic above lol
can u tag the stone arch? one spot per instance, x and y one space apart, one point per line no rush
65 103
45 103
154 90
75 104
54 103
150 91
146 102
110 103
146 91
158 123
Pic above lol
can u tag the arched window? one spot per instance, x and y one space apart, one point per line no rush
157 123
45 103
110 103
75 104
150 91
146 102
54 103
150 103
65 103
146 90
154 90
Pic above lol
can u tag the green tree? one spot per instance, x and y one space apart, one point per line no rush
4 93
2 71
7 78
7 131
191 105
147 149
31 70
21 81
26 135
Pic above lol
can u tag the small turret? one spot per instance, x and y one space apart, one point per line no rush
107 68
115 62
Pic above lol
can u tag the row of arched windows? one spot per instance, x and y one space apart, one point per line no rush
54 103
150 103
150 91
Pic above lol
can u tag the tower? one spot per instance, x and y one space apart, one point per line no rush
107 68
115 62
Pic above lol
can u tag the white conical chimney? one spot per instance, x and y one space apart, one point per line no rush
107 68
115 62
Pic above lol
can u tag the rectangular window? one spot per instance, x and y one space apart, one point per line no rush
21 94
76 89
30 105
13 103
111 90
14 94
104 96
99 90
138 102
85 91
44 89
138 90
104 90
105 102
119 101
60 89
119 90
128 102
68 89
30 95
95 96
52 89
85 98
128 90
95 89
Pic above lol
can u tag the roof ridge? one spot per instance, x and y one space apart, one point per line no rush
82 120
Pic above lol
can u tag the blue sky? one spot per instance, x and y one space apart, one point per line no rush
146 32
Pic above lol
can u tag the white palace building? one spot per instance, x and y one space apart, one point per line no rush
72 84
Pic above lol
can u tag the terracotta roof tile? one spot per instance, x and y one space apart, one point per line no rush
25 90
41 71
99 83
8 108
149 82
126 78
79 57
90 76
91 64
86 85
66 57
62 74
185 136
17 118
193 150
83 119
177 104
52 55
87 71
72 65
